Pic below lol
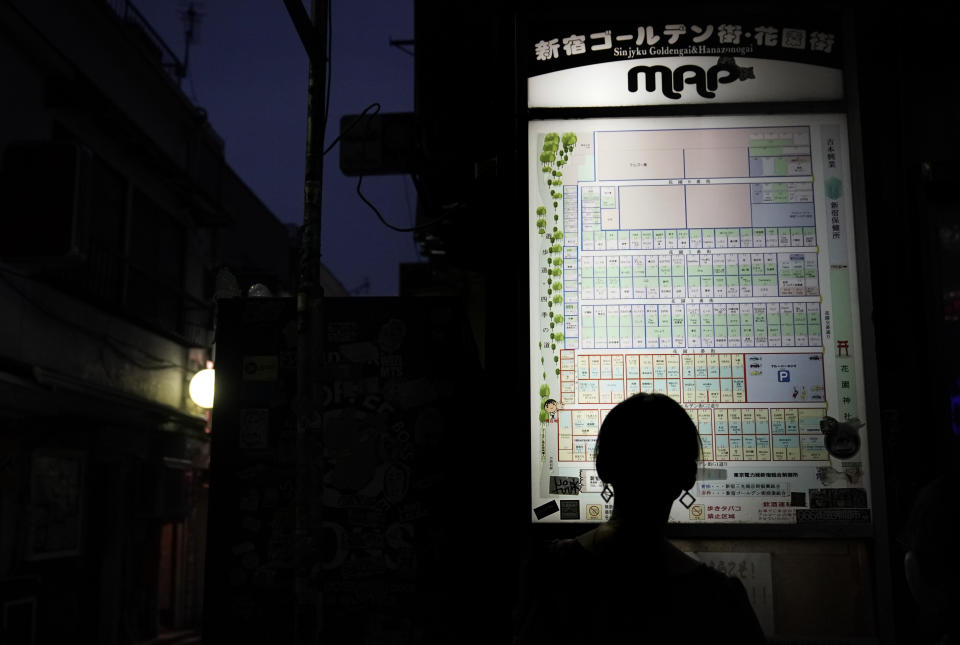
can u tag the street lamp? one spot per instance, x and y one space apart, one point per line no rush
201 388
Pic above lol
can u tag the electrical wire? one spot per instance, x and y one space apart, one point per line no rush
329 63
113 343
398 229
301 26
353 124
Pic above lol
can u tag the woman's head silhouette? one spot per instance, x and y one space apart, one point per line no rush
647 450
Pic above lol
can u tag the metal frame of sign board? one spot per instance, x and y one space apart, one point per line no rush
875 531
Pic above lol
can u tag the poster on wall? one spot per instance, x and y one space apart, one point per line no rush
710 259
55 523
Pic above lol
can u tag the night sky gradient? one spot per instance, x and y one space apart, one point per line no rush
248 70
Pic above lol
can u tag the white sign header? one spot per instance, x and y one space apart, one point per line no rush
684 80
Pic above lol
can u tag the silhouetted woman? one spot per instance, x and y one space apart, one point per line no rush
623 582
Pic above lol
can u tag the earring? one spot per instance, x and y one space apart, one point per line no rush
606 493
687 503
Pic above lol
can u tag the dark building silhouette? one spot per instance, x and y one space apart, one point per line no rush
118 210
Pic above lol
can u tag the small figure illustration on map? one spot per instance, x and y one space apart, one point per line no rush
550 405
795 391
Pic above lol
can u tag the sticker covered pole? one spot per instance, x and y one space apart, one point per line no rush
312 31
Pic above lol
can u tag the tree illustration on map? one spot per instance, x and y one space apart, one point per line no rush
555 153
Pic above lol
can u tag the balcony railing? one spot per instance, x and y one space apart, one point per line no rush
156 45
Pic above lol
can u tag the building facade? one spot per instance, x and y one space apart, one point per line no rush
119 211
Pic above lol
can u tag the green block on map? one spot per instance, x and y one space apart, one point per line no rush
780 166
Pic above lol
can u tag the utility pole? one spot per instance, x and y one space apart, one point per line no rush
308 494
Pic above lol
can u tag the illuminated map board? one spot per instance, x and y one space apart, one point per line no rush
711 259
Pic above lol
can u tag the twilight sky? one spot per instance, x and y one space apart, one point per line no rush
249 71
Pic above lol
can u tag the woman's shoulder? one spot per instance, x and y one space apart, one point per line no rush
564 548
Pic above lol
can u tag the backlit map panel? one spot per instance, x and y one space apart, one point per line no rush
710 259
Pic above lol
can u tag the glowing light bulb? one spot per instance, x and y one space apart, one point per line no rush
201 388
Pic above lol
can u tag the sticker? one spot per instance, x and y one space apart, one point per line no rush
249 502
242 547
392 334
836 515
569 509
590 482
334 539
711 474
250 560
594 512
546 510
391 365
341 332
850 473
361 352
271 496
838 498
251 523
250 472
564 485
237 577
696 512
396 482
365 517
254 429
260 368
841 438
